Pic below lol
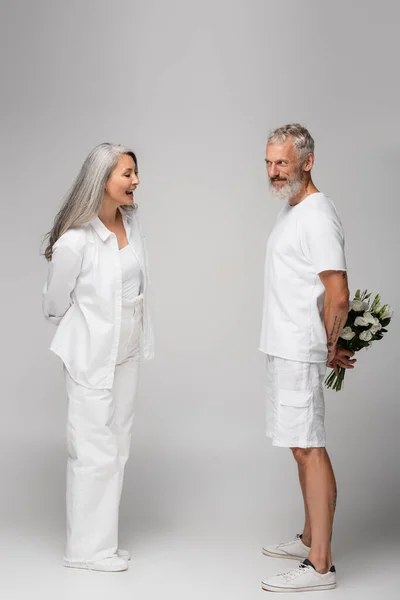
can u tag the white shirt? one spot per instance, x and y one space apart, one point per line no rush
83 296
306 240
131 274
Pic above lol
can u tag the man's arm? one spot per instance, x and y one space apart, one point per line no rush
336 308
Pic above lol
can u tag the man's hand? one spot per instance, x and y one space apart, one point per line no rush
340 357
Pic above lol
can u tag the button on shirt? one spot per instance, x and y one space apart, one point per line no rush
306 240
83 296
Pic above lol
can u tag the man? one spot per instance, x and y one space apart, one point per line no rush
305 309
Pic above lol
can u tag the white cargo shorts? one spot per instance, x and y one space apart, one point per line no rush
295 408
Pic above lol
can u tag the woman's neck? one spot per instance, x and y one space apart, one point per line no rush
109 215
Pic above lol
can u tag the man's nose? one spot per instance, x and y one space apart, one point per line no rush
273 170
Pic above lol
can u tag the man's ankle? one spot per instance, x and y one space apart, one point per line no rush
320 564
306 539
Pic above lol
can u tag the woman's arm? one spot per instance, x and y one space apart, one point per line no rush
64 270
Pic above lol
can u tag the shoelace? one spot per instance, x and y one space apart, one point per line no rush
295 572
296 539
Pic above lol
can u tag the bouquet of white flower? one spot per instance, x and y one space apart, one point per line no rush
365 324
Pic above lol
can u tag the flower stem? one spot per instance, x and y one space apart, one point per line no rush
335 382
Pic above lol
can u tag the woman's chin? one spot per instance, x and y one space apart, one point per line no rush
128 202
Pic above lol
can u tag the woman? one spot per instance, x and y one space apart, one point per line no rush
97 295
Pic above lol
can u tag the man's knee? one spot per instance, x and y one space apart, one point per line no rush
303 455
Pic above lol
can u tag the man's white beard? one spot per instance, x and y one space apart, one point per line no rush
286 192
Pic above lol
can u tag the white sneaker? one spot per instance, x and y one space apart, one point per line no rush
123 554
294 549
303 579
114 563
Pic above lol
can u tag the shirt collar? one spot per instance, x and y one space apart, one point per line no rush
105 233
100 229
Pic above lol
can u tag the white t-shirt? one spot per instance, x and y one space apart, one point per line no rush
306 240
131 274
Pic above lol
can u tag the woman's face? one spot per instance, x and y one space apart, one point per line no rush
123 181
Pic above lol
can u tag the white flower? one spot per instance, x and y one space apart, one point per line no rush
347 333
366 336
361 322
358 305
375 328
387 314
370 318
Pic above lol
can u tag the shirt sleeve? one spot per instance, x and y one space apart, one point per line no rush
323 242
64 270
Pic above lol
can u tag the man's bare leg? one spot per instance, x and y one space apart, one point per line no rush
306 537
319 490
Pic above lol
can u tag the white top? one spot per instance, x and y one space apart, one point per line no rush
83 296
131 274
306 240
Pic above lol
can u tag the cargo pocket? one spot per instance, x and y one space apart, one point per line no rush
294 411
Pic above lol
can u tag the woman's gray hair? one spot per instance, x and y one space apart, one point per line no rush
84 200
300 136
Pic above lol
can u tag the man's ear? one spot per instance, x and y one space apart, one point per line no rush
309 162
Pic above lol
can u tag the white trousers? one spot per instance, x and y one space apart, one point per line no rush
98 437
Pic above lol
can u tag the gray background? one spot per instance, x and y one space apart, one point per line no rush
194 88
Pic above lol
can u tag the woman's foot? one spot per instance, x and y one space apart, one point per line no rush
112 564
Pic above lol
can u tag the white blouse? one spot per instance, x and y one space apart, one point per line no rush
83 296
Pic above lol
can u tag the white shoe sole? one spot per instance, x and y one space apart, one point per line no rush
277 555
314 588
92 567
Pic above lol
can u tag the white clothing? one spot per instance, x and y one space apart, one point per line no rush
99 435
131 274
306 240
83 296
295 403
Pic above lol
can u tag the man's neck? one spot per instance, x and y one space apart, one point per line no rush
307 189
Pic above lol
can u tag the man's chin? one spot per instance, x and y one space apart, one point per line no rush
286 192
280 193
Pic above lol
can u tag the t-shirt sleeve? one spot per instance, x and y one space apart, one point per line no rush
323 242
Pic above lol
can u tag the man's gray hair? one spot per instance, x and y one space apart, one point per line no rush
300 136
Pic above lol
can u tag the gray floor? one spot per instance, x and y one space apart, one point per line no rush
181 564
194 521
